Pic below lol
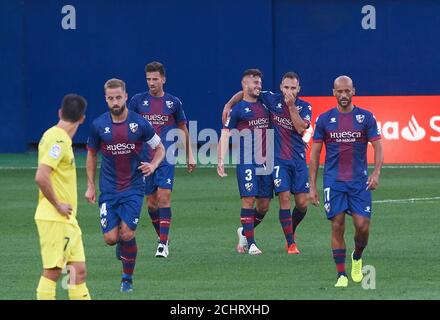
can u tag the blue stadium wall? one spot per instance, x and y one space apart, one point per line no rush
205 46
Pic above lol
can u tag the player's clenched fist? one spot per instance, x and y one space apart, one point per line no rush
90 195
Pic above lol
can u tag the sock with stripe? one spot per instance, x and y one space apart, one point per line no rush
339 257
165 222
286 223
155 220
297 217
247 221
128 258
258 217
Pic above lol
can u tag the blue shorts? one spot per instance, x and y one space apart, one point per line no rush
252 185
162 178
347 197
113 209
290 176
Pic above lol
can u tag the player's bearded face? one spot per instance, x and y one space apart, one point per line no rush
117 110
344 91
344 97
289 85
117 100
253 86
155 82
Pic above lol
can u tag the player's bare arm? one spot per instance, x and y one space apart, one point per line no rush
42 178
221 152
236 98
373 179
313 172
299 124
190 162
91 163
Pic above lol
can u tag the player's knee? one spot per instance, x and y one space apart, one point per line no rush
78 274
52 274
248 202
285 200
338 227
364 228
263 209
126 234
111 239
164 199
302 204
153 207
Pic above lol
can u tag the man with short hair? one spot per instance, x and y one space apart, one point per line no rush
346 131
120 135
58 229
251 119
165 113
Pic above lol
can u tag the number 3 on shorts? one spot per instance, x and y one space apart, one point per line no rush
248 175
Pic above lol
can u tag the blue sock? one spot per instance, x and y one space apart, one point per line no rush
297 217
128 258
155 220
339 257
258 217
286 223
358 250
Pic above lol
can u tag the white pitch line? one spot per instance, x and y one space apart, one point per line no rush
406 200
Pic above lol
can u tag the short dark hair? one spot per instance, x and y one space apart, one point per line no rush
155 66
73 108
253 73
290 75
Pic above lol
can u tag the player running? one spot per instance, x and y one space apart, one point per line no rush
346 131
120 135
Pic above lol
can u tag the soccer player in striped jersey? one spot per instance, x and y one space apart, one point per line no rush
250 118
290 117
346 131
165 113
120 135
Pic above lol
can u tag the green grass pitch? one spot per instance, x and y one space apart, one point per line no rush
203 264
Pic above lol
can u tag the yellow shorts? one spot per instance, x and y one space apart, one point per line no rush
60 243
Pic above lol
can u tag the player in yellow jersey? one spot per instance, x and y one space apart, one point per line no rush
59 232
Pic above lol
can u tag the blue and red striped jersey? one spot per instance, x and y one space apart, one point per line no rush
346 137
164 113
247 118
288 142
121 146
